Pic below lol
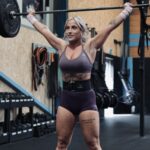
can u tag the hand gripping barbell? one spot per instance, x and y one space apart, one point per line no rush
10 15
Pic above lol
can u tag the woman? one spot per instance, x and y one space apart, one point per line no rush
77 53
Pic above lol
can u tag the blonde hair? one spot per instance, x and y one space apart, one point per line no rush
82 25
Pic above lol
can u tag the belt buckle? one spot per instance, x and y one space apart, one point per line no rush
71 85
71 81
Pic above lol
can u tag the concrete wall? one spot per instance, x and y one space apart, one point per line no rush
15 59
15 62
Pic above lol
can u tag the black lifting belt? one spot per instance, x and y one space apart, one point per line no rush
39 58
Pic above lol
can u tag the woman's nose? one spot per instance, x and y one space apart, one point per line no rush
69 30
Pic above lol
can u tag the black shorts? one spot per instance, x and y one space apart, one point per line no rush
76 102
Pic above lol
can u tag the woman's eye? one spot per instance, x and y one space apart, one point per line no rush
74 27
66 28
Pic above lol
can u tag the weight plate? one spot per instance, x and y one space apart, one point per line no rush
9 26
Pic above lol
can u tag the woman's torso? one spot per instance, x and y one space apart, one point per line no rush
78 68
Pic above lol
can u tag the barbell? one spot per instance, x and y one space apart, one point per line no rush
10 15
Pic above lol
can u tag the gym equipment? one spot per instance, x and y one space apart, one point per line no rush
10 15
9 26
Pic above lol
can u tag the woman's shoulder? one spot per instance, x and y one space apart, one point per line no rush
63 48
90 51
88 46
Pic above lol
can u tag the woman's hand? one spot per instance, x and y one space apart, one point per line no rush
31 14
127 10
30 9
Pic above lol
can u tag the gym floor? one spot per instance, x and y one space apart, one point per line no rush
119 132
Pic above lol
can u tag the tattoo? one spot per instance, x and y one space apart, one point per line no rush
88 121
77 76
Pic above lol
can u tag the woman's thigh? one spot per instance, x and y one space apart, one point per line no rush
89 121
65 122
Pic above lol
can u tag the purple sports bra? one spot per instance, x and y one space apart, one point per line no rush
81 64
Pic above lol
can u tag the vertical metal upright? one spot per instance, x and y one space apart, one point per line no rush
141 52
59 19
142 80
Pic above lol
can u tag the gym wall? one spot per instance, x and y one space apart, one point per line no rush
102 18
15 62
135 32
15 53
99 19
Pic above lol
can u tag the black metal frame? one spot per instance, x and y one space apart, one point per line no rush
79 10
141 52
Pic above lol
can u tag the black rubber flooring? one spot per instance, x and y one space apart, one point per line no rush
120 132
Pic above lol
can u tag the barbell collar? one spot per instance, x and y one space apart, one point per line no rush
79 10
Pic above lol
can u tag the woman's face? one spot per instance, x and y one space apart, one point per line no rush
72 31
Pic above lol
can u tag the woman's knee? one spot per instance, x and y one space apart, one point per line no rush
62 143
93 144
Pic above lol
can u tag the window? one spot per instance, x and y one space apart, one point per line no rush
109 73
109 79
41 5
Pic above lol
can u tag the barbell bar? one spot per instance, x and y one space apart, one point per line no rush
79 10
10 20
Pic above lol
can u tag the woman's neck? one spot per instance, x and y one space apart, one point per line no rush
74 44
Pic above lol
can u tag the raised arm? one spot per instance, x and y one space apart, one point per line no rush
54 41
99 39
